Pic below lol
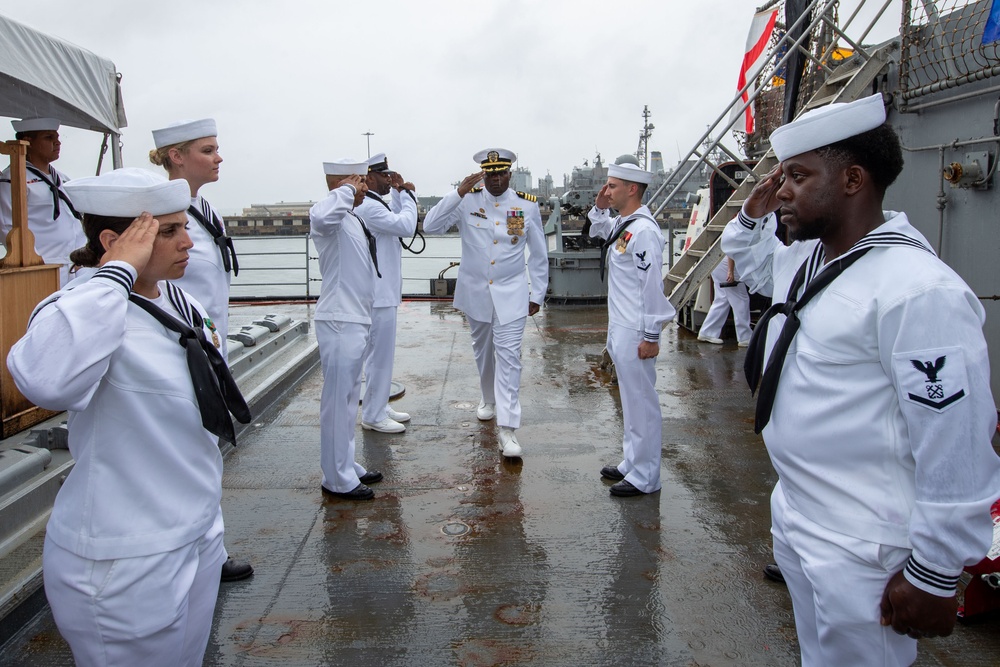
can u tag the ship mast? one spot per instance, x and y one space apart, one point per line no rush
642 152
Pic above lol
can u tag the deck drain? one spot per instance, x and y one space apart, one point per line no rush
454 528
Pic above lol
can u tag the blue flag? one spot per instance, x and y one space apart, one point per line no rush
991 32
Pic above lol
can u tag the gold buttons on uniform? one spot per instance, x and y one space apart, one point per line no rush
495 241
491 282
498 223
493 262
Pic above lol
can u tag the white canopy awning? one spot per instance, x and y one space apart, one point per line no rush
43 76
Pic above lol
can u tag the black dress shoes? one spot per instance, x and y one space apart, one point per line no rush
360 492
371 477
234 570
773 572
624 488
612 472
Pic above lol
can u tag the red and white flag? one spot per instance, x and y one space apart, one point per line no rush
753 61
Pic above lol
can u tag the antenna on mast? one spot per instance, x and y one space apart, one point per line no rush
642 152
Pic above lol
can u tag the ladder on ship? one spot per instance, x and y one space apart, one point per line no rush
853 79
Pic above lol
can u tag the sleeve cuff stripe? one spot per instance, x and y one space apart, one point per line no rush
115 274
746 222
930 577
651 337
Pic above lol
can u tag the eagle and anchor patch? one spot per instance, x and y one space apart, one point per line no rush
935 379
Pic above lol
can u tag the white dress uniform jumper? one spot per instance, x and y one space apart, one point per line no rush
637 311
343 317
387 223
732 296
879 429
492 288
134 543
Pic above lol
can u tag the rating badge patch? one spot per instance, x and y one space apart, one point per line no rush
936 382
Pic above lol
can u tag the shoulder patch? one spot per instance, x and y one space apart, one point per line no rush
933 379
526 196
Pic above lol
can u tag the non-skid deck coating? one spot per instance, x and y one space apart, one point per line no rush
466 559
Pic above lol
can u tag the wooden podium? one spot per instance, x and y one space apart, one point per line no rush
24 281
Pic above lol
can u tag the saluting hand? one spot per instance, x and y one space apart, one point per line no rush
396 179
134 245
603 200
469 182
762 199
360 187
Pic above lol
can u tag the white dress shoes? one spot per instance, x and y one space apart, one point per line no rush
709 339
385 426
743 343
486 411
397 416
509 444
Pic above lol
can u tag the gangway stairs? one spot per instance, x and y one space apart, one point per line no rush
856 77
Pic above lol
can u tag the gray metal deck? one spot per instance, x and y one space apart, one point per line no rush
465 559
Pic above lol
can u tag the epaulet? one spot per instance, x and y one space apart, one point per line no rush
525 195
479 189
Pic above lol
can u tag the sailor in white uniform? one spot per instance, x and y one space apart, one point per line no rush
133 548
51 216
347 261
875 402
389 224
189 151
637 312
497 225
730 292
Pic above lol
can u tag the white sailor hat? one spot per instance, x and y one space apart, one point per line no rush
827 125
630 172
346 167
127 192
378 162
185 130
35 124
495 159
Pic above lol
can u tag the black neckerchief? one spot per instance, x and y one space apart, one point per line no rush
815 278
55 185
214 387
372 244
214 227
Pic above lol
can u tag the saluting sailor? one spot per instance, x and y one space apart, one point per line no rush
189 151
497 224
637 312
389 224
348 263
875 400
51 216
133 547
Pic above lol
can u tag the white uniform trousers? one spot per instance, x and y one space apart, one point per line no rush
497 348
640 409
150 610
735 297
378 364
836 583
341 352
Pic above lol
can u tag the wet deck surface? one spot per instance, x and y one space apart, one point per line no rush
466 559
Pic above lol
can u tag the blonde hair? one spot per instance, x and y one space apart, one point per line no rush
161 156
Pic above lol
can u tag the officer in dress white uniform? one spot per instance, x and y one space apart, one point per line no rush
189 151
637 312
133 548
496 223
51 216
875 403
730 292
347 261
388 223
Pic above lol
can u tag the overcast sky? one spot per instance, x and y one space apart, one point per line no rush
293 83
